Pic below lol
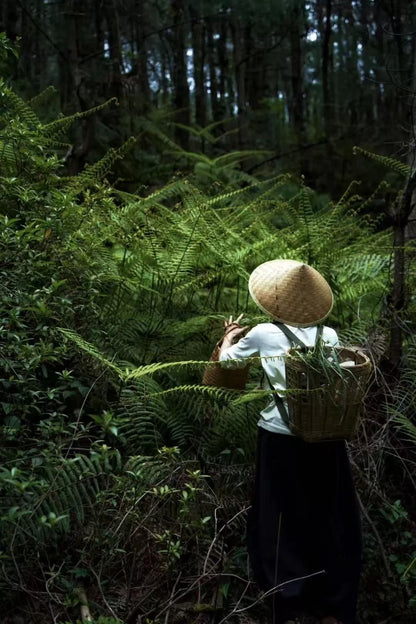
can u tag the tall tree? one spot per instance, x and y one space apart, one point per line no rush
296 32
114 48
238 37
141 63
212 68
179 45
325 18
198 49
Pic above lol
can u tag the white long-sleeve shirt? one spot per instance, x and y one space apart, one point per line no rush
268 342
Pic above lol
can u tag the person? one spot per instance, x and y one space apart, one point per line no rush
303 527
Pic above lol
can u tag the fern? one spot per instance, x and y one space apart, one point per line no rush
58 128
390 163
143 413
11 102
96 172
43 97
8 157
60 499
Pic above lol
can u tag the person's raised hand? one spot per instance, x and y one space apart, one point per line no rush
233 329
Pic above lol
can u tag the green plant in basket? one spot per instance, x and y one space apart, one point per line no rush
321 359
325 389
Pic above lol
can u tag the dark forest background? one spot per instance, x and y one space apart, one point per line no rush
152 154
304 81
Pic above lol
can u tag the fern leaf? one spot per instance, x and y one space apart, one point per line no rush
45 96
10 101
390 163
58 127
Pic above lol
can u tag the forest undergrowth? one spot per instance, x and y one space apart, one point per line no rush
125 482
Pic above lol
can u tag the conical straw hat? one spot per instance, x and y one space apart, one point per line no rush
291 292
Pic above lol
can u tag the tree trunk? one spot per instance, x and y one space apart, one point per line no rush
353 97
225 85
69 64
255 62
143 100
240 78
114 48
10 19
212 68
164 84
179 71
198 46
328 106
367 63
410 232
380 61
296 105
400 214
75 95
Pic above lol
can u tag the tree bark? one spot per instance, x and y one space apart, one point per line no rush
10 19
225 84
296 106
180 71
198 47
400 215
143 100
212 68
114 49
326 64
240 79
380 61
75 89
367 63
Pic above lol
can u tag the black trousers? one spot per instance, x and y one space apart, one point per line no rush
304 534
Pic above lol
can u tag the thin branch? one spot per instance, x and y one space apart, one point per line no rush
300 148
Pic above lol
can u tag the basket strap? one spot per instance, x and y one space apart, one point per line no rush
289 334
279 403
293 338
319 334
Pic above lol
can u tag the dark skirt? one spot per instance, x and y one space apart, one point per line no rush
304 522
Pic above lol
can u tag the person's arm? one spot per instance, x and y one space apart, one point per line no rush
232 354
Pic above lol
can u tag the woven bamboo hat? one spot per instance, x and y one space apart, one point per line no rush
291 292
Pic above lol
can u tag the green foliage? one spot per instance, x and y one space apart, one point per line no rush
390 163
119 469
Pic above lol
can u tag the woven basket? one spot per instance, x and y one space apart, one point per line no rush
231 378
322 406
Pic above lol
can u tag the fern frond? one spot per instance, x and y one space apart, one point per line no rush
230 159
64 495
90 349
8 157
45 96
390 163
346 196
143 413
11 102
406 425
152 129
58 127
198 389
148 470
96 172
